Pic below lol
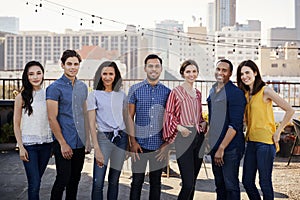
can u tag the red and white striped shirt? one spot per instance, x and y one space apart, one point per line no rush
183 109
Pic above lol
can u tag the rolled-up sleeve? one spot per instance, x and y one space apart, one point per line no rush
91 101
52 92
171 118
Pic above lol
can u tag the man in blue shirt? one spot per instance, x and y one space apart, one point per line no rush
147 101
226 105
66 105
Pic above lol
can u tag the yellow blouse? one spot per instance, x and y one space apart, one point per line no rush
260 118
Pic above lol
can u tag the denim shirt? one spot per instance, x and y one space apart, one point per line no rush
70 109
150 102
226 110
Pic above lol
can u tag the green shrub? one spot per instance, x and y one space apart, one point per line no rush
7 133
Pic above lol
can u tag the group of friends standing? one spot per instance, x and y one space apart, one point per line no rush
147 123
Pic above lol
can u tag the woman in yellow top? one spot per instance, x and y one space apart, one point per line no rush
262 136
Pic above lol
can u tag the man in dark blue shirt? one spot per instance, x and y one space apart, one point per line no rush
66 104
226 105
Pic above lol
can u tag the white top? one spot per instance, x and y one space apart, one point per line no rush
35 128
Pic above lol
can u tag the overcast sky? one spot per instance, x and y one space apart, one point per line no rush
272 13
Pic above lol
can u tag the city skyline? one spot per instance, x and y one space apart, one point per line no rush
52 17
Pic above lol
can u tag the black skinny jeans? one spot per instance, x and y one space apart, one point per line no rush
189 163
68 173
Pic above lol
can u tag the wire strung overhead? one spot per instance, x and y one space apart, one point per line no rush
169 35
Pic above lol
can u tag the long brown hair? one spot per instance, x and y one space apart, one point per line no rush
258 82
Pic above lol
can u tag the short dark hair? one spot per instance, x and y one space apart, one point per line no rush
228 62
187 63
117 83
69 53
152 56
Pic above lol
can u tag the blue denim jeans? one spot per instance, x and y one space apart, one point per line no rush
115 154
39 155
259 157
226 176
189 162
138 175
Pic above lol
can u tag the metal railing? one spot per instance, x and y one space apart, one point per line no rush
290 91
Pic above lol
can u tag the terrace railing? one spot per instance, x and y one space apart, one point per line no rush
290 91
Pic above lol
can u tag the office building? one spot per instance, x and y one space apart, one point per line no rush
9 24
225 13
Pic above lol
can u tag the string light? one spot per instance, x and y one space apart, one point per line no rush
125 36
171 35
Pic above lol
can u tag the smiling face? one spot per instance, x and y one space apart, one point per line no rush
108 76
222 73
190 73
35 76
248 76
153 69
71 67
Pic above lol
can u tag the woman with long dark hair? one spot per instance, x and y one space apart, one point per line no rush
31 127
107 116
262 136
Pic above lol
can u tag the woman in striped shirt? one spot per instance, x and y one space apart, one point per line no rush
185 126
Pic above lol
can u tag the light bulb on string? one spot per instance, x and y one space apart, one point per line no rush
93 19
36 8
142 35
125 36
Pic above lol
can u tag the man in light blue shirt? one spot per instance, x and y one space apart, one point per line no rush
66 104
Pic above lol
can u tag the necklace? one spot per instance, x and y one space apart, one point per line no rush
190 90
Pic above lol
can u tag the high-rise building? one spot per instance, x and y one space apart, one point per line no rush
238 43
225 13
279 36
165 39
9 24
297 20
211 17
280 65
47 47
